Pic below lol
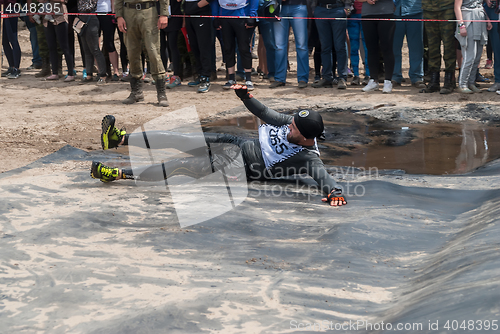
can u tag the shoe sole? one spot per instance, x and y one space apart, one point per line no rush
108 122
93 169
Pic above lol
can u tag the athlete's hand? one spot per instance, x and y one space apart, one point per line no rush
216 23
162 22
122 26
242 92
335 198
250 22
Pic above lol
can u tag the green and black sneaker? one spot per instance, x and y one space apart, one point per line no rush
103 172
110 136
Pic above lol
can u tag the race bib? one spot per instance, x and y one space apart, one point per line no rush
274 144
232 4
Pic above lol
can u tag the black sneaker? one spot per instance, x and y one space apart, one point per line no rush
103 172
110 135
9 71
204 85
322 83
228 84
16 73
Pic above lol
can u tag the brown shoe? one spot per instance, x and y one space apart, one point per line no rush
302 84
276 84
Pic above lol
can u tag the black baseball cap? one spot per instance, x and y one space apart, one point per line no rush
309 123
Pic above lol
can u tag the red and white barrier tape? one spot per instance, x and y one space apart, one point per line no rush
263 17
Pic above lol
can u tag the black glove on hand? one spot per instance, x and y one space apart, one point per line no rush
250 22
242 92
335 198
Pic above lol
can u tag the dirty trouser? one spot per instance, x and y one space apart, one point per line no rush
224 151
142 27
437 32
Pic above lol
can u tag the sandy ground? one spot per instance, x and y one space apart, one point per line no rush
39 117
75 260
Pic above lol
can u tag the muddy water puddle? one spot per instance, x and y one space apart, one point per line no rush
366 142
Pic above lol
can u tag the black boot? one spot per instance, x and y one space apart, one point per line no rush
45 71
434 84
160 92
136 94
448 83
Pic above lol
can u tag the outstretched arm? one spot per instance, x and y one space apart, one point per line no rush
258 109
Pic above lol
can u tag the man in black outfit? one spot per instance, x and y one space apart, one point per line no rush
286 146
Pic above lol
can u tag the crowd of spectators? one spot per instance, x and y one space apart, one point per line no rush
341 32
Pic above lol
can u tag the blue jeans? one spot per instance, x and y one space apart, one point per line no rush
36 60
299 27
414 31
332 34
494 39
354 29
266 29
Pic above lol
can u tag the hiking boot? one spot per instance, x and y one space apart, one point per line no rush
45 71
275 84
111 137
228 84
160 92
434 85
103 172
322 83
136 94
204 85
448 84
355 81
341 84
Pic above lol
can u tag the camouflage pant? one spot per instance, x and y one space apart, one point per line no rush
43 48
437 32
142 30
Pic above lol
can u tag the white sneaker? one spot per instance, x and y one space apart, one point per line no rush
249 85
498 92
495 87
372 85
387 87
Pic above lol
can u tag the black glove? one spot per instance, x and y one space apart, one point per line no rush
250 22
336 195
242 92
